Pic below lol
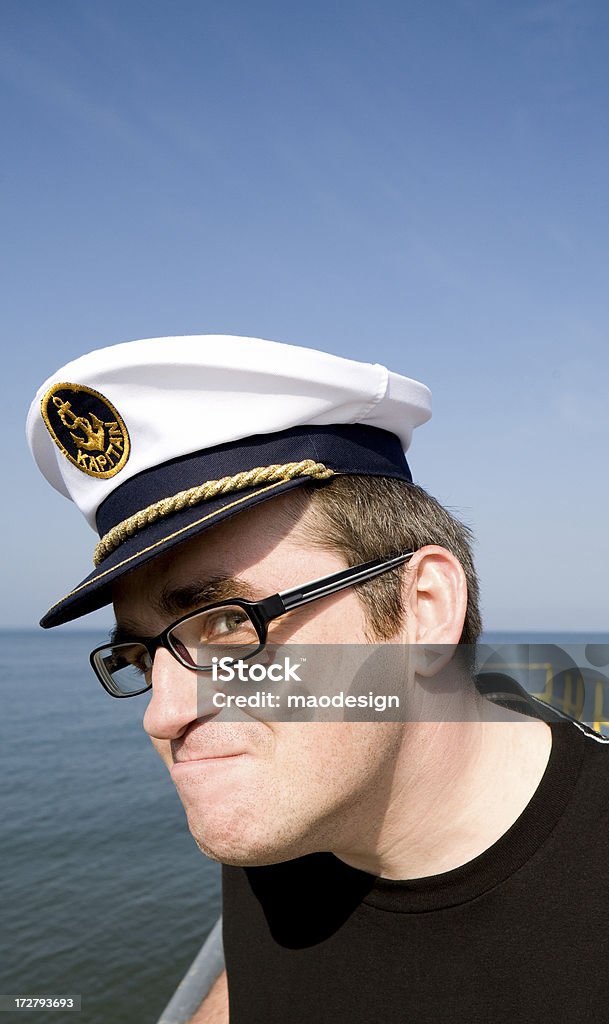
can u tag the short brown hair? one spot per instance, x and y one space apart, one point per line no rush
365 517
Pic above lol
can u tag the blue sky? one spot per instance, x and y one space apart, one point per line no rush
419 184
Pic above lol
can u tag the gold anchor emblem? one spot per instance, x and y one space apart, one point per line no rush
94 434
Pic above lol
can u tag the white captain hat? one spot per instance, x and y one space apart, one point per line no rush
158 440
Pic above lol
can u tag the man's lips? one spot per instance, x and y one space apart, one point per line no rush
208 757
196 759
202 743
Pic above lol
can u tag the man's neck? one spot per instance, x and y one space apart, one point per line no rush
456 790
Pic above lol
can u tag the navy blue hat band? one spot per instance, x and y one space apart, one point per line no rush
351 448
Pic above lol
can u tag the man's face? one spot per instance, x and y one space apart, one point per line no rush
255 791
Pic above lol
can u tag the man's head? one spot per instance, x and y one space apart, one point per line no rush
258 791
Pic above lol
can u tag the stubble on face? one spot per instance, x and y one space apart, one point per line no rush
306 787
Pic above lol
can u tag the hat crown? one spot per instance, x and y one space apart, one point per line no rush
117 411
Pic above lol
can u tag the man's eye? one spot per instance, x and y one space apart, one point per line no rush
134 658
225 623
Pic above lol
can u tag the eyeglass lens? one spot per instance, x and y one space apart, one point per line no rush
225 632
125 667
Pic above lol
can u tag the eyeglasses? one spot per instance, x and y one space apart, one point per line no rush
236 630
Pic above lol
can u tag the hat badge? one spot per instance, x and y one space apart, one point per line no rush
87 429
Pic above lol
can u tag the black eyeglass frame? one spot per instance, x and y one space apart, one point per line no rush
260 613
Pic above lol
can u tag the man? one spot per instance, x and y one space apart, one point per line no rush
419 869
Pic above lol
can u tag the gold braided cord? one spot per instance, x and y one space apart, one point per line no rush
204 492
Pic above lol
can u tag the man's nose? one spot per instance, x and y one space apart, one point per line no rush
178 698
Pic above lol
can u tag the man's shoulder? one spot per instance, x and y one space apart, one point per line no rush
594 745
583 762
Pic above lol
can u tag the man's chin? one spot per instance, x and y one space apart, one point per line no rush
234 847
242 858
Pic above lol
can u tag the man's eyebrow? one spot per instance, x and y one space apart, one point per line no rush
178 600
126 632
198 593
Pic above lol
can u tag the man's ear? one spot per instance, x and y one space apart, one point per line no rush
436 603
436 597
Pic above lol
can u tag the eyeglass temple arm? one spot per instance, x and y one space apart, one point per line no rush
327 585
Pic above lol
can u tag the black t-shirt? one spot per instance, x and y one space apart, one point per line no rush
519 934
